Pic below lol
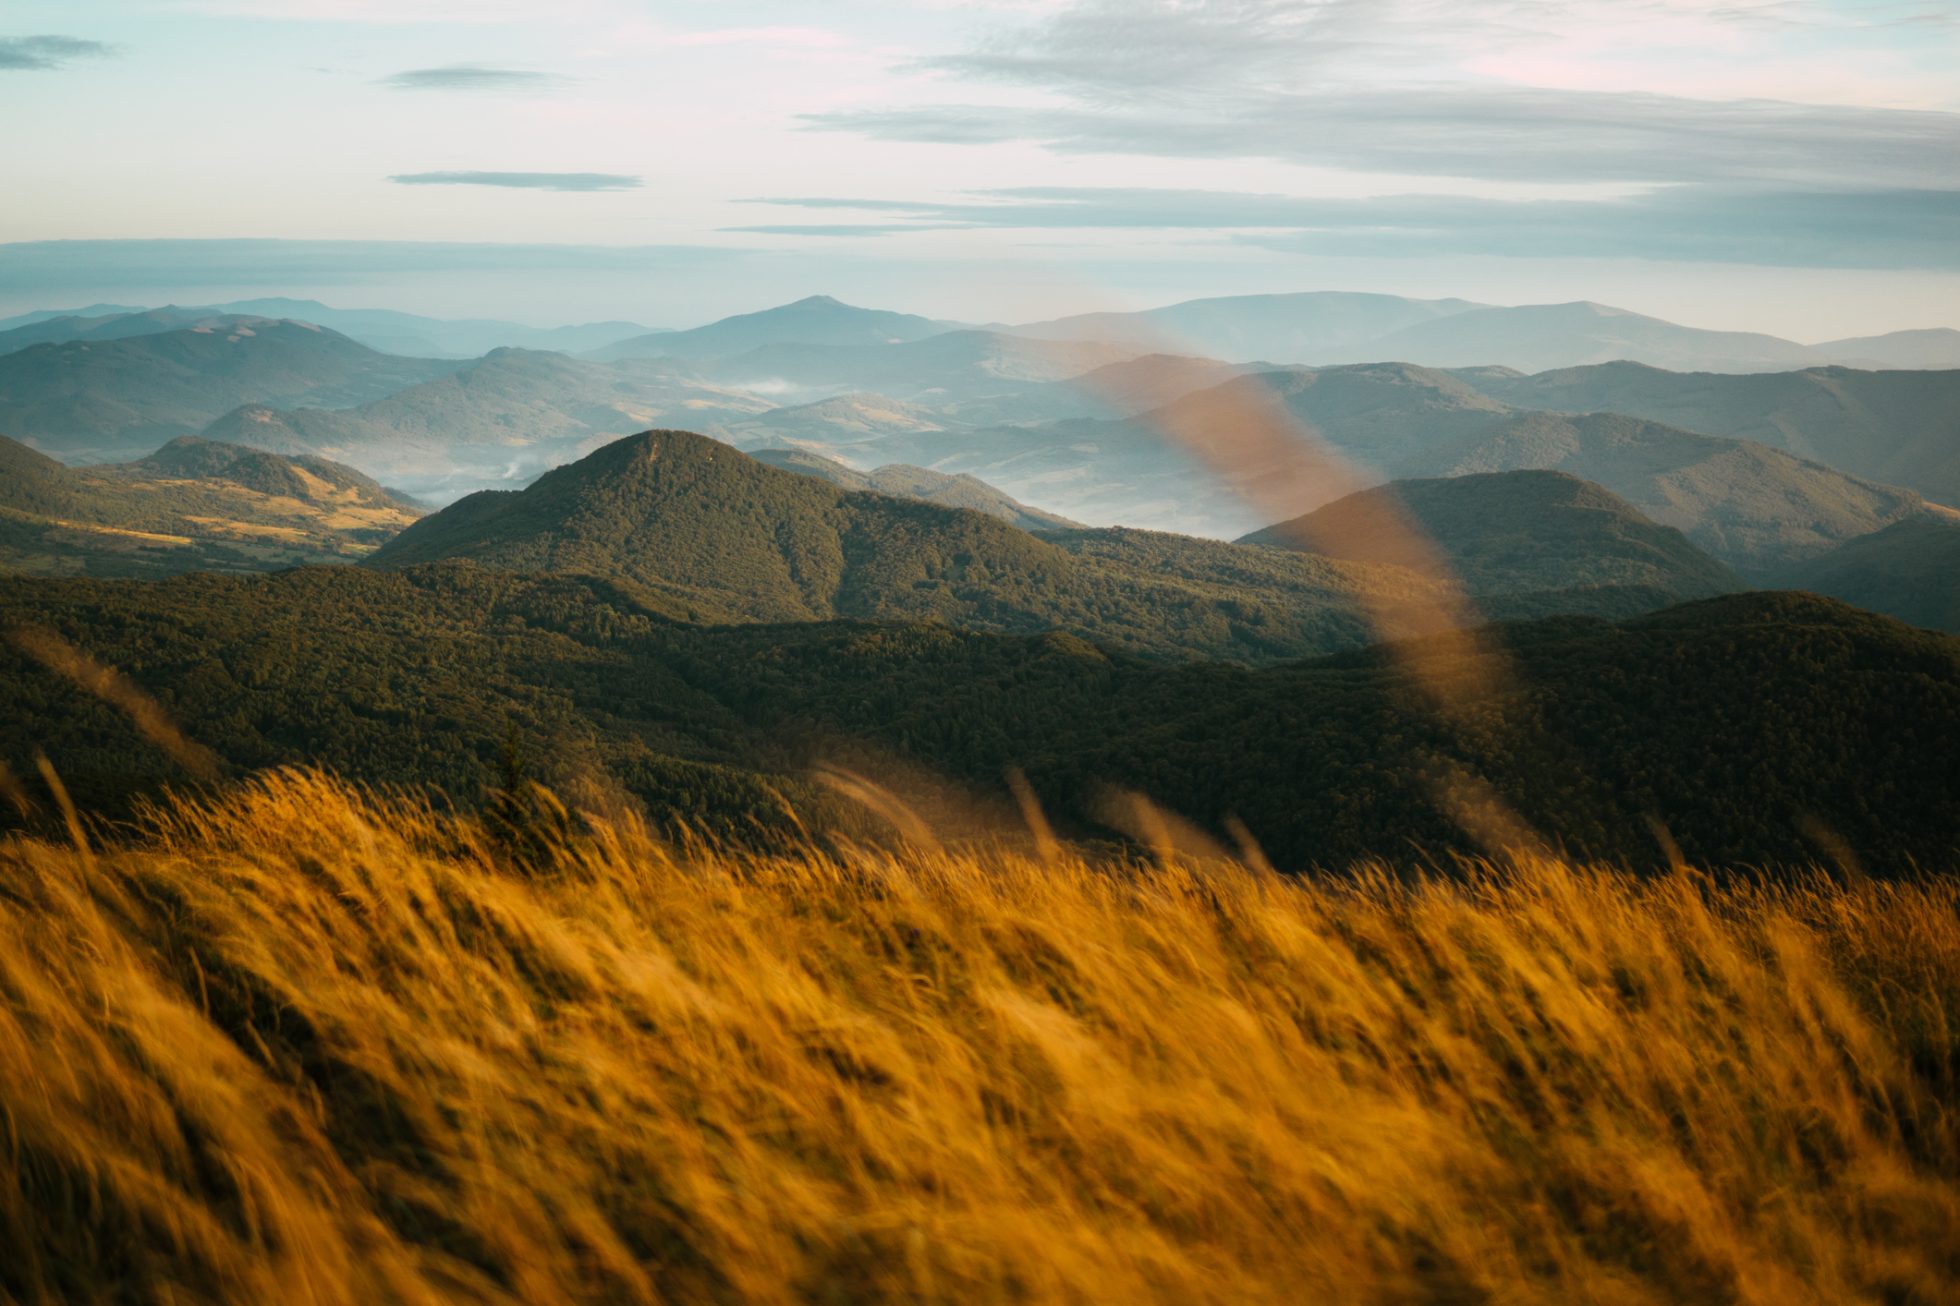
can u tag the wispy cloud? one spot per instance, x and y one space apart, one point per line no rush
565 181
1716 224
38 53
1507 133
476 77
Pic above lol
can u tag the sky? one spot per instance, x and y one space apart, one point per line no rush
1790 166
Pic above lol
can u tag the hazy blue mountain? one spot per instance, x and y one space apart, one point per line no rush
44 314
385 330
118 326
1937 347
1747 504
411 333
1538 337
948 368
110 398
500 419
817 320
1288 328
1896 426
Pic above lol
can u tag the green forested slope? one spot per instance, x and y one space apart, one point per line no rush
1518 532
1753 728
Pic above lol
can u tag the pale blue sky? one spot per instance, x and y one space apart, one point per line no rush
1782 165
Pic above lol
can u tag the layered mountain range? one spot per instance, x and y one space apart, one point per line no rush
1049 426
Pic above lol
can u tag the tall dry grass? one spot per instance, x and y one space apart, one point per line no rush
305 1045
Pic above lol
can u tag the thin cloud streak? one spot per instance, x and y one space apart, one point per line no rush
475 77
1746 225
1492 133
46 52
580 182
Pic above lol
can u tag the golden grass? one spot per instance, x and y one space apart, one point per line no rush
305 1045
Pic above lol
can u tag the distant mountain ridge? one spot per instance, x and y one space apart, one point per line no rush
385 330
1751 506
815 320
1899 427
506 416
113 398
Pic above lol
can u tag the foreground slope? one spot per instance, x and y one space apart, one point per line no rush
611 1071
1755 729
192 505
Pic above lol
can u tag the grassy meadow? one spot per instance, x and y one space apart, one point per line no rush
305 1043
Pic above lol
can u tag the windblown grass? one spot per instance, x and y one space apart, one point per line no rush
305 1045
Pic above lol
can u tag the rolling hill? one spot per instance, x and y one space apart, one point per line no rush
710 534
1510 533
192 505
106 398
1910 570
1902 427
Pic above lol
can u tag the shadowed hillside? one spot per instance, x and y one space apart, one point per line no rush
1909 570
1749 727
1509 533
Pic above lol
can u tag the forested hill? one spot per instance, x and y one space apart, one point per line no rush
1508 533
1754 729
713 535
192 505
